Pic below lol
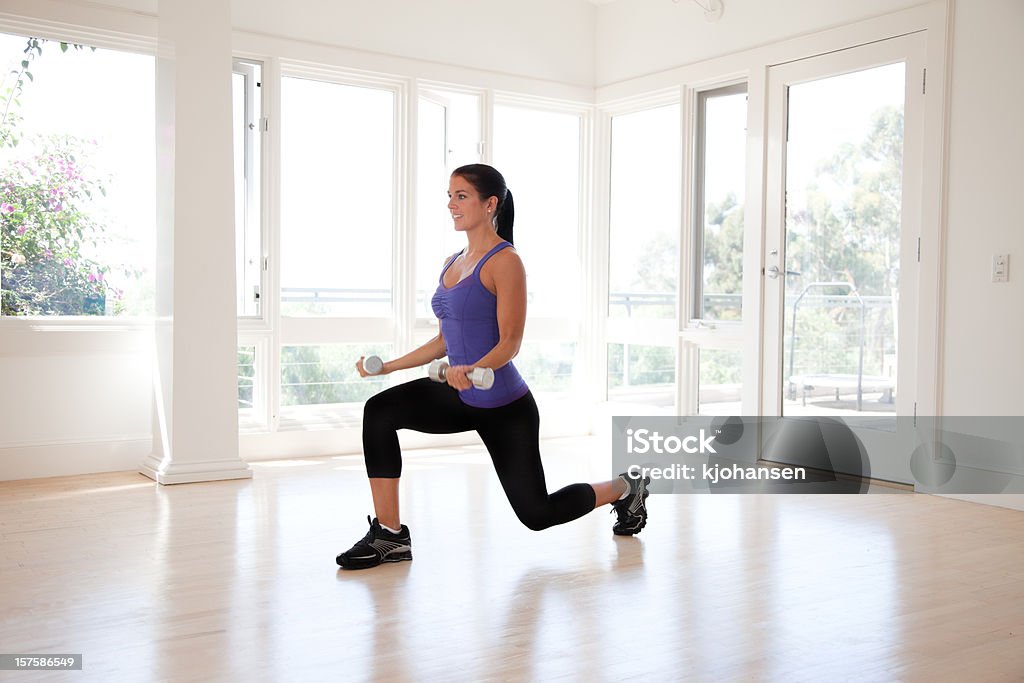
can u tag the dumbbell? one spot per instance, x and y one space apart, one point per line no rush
482 378
373 365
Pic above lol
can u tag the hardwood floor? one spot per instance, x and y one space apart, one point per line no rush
236 580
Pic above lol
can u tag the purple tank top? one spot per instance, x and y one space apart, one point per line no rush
468 313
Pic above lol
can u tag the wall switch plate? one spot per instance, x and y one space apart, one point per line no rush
1001 268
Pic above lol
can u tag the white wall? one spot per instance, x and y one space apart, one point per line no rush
73 401
984 322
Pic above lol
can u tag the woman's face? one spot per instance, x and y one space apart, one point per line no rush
467 209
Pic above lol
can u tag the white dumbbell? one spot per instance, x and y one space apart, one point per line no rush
373 365
482 378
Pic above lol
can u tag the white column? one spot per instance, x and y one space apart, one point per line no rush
195 435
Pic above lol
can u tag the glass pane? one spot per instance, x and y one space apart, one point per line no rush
434 236
77 186
316 375
337 199
642 375
547 366
643 265
246 112
843 186
449 131
538 152
723 169
720 381
464 136
246 377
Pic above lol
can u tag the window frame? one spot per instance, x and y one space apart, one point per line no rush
632 331
255 163
695 333
297 330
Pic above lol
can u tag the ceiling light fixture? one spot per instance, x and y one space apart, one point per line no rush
712 10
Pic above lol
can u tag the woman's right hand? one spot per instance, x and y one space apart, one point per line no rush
457 377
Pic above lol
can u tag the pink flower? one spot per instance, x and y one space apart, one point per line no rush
91 278
6 208
22 229
48 254
68 262
99 277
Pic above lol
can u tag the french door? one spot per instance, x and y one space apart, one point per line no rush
842 222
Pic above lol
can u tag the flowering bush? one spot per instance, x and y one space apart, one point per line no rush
44 226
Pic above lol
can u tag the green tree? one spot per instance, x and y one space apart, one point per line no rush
657 271
850 230
723 255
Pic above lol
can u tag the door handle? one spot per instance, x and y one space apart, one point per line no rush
772 272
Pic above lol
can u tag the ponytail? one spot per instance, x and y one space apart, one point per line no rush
506 216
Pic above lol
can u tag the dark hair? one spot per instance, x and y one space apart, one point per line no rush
489 183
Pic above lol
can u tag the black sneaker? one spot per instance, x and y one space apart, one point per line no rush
631 510
377 546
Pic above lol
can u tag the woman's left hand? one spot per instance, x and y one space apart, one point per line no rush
456 376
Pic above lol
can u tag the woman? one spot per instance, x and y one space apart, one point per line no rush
480 303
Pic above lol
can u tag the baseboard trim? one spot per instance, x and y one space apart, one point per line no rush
72 458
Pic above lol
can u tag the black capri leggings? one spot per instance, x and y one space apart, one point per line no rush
510 433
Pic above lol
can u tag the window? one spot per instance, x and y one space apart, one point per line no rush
720 172
247 112
539 152
643 269
449 137
721 176
77 189
337 198
643 263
